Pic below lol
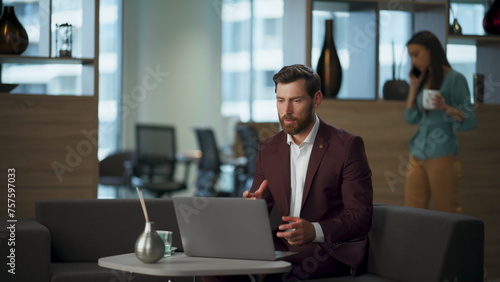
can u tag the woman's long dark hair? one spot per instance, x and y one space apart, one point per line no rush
437 56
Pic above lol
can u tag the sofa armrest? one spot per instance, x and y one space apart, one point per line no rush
413 245
25 250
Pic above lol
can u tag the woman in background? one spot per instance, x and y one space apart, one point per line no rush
434 167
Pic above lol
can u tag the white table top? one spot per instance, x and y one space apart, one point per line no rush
181 265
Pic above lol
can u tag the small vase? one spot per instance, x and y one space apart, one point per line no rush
455 28
491 20
13 36
329 68
149 247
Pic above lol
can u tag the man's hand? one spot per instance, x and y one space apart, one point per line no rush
257 194
298 231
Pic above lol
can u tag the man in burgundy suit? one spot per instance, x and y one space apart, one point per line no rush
320 181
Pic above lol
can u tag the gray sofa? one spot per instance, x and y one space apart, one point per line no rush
68 236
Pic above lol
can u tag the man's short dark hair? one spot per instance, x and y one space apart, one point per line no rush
293 73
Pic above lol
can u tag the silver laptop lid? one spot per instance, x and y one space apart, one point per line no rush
224 227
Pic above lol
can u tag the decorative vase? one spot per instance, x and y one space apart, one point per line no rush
395 89
149 247
455 28
491 20
13 36
329 68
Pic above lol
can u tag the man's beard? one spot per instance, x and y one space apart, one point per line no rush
301 124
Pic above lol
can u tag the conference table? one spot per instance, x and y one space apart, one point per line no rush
180 264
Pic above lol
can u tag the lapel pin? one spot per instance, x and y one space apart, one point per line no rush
321 146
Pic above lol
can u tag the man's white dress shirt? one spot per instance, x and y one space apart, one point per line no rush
299 161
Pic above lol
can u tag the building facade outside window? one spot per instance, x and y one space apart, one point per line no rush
251 55
110 77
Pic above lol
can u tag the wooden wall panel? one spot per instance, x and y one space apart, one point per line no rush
386 136
39 133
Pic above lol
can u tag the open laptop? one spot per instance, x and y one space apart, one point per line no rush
234 228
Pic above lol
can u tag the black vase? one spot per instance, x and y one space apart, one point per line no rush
329 68
455 28
491 20
13 36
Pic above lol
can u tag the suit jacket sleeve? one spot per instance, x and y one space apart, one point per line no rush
357 197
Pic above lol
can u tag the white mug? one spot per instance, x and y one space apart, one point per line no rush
429 94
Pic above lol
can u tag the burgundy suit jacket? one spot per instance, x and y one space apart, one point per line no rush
337 191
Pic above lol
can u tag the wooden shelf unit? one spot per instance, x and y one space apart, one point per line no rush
51 141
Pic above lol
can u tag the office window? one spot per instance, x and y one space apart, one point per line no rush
110 94
251 54
463 57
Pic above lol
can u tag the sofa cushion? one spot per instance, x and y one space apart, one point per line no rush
85 230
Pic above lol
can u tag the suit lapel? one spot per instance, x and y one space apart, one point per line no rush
281 170
318 151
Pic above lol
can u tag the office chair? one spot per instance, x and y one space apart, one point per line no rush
249 141
209 164
155 160
113 170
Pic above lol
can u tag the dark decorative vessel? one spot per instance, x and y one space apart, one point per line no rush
149 247
491 20
329 68
13 36
395 89
455 28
